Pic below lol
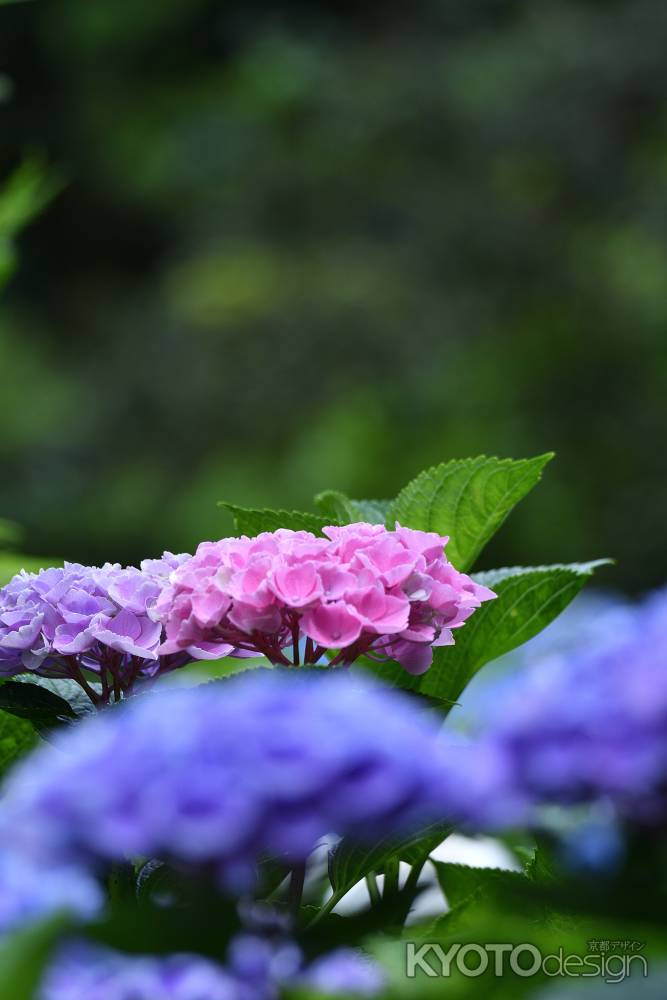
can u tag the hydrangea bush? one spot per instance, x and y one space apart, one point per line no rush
194 837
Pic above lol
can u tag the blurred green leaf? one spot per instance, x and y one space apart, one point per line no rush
27 191
23 196
491 922
250 521
345 510
11 533
467 499
17 737
528 599
8 259
11 564
199 918
23 956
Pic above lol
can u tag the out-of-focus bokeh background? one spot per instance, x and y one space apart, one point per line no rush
310 245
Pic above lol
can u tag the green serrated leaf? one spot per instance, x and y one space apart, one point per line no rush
542 867
41 707
469 891
250 521
17 737
460 882
350 862
528 599
466 499
424 843
346 511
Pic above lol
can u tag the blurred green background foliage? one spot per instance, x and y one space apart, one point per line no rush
304 245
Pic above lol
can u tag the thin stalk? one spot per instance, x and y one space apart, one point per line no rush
295 892
391 873
327 907
413 876
373 888
77 675
130 680
295 642
104 681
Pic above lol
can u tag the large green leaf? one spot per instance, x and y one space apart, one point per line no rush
17 737
344 510
250 521
529 598
466 499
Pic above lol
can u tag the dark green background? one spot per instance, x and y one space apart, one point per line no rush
305 245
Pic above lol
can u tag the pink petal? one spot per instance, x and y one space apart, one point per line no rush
332 625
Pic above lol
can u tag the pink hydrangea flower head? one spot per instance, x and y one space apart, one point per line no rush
294 597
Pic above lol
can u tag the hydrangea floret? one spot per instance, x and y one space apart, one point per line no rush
82 971
33 889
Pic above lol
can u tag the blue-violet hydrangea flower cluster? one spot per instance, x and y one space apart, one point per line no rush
256 970
591 726
221 774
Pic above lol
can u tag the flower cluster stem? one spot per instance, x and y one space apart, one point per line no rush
295 893
373 888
